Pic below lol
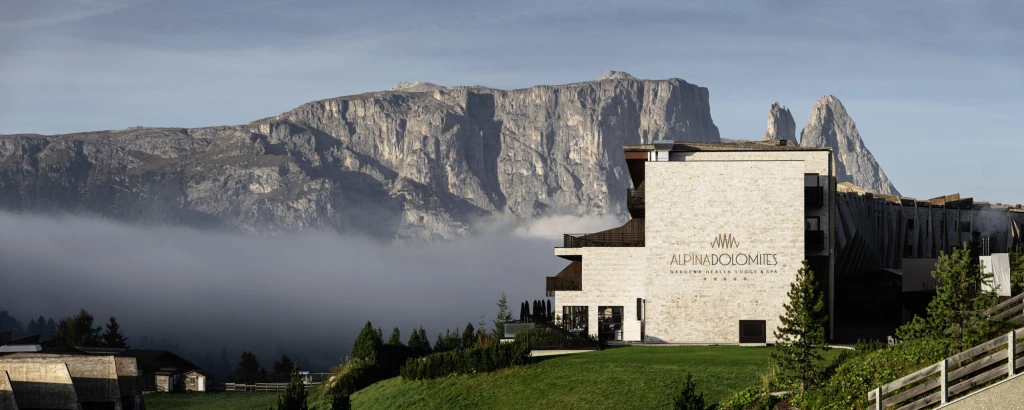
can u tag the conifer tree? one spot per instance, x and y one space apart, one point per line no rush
284 366
396 338
113 337
78 331
468 336
248 367
504 316
367 344
550 317
800 338
424 340
294 395
957 312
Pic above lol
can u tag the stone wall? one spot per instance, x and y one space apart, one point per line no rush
611 277
94 377
41 385
7 401
753 197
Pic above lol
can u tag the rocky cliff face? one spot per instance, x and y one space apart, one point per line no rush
780 124
830 126
415 163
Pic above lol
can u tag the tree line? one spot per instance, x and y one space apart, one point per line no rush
76 330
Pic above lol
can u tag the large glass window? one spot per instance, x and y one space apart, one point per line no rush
574 319
609 319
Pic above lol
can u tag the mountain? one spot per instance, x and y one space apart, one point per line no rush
831 126
780 124
417 163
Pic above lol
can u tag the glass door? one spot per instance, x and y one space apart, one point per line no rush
609 319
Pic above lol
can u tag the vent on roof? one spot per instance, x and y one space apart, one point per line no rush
663 145
783 143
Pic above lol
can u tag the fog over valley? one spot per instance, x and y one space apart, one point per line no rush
306 294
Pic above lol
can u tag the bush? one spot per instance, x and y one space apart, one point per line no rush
848 387
751 398
462 361
294 396
688 398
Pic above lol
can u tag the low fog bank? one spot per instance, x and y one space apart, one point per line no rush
305 294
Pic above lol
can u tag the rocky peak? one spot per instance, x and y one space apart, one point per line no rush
416 87
831 126
780 124
616 75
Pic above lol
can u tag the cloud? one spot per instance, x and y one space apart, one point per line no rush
307 292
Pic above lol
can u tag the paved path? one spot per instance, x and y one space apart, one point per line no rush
539 353
1008 395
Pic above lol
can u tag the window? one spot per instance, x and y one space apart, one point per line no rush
811 180
910 224
812 223
574 318
753 331
609 322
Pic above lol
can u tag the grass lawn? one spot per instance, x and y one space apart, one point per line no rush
210 401
627 377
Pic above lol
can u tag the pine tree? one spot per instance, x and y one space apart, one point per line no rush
78 331
424 340
504 316
113 337
550 317
468 336
367 344
248 367
800 338
956 313
688 398
294 395
49 331
396 338
283 366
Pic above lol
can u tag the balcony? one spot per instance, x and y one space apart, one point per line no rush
814 197
814 240
608 240
570 278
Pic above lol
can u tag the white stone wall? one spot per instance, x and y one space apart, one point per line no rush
759 203
611 277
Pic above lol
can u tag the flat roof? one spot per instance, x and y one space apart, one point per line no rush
727 146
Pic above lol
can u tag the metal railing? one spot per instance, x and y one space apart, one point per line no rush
554 284
603 240
955 376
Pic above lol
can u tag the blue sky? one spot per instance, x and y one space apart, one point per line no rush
935 87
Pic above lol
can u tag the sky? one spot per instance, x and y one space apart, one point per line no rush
934 86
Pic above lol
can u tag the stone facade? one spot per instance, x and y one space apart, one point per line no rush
724 237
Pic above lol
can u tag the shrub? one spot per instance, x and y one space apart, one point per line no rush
751 398
848 387
294 396
462 361
688 397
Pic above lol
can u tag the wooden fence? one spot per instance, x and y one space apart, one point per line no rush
259 387
954 376
1011 309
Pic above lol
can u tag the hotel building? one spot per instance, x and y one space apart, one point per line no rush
718 232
